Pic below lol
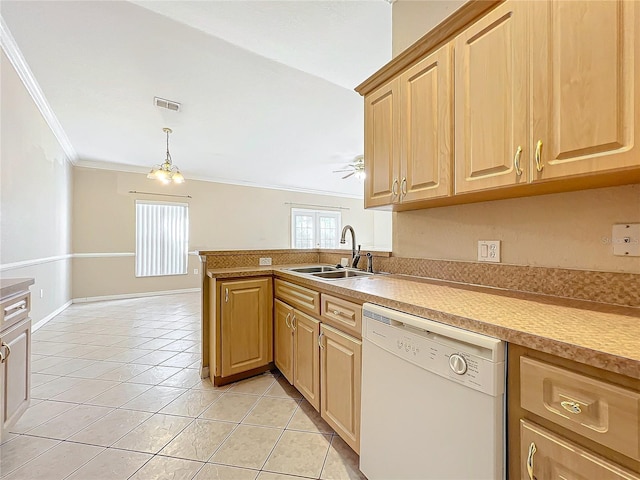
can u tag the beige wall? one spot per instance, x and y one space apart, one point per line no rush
564 230
35 199
411 19
221 217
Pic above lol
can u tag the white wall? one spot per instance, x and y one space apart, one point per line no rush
35 198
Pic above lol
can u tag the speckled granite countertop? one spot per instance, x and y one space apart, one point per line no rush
604 336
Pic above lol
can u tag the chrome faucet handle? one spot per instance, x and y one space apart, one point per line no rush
369 262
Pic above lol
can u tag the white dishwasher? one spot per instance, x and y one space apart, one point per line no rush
432 400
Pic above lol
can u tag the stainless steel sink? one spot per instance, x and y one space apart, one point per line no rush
318 269
341 274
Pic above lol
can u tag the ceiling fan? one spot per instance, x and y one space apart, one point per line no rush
354 168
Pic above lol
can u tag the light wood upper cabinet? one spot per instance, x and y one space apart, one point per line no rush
306 352
586 86
381 147
408 128
341 377
491 101
283 340
426 128
245 325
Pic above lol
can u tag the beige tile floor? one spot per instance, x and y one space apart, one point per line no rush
116 394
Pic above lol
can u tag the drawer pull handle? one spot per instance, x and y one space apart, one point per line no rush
320 340
286 320
516 161
226 295
532 451
15 309
293 321
394 188
538 157
6 357
571 407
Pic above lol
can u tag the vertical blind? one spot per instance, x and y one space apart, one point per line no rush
162 238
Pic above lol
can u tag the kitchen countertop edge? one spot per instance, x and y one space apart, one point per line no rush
555 345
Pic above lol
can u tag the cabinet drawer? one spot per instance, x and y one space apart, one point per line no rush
602 412
544 455
342 314
14 309
299 297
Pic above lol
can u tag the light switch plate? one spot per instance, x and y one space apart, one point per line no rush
626 239
489 251
265 261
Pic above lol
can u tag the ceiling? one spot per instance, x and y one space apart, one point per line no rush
266 87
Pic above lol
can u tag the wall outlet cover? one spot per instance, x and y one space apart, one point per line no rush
626 239
195 271
489 251
265 261
344 262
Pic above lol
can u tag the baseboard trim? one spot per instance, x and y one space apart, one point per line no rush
123 296
42 322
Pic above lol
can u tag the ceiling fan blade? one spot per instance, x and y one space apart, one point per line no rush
343 170
348 175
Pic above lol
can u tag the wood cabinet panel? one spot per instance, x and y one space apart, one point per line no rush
306 353
297 296
283 340
491 100
15 373
545 455
585 80
341 376
426 128
603 412
381 148
245 324
342 314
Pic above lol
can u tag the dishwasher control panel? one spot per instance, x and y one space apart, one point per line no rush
448 357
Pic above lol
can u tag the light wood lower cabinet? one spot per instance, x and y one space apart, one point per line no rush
341 375
545 455
15 372
297 352
245 326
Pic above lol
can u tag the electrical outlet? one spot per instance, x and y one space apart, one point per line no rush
195 271
42 293
489 251
265 261
344 262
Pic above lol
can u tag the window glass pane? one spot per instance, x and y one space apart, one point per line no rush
328 232
314 228
304 226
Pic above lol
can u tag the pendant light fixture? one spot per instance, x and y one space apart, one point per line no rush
166 172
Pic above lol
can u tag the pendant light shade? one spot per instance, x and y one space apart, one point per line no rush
166 172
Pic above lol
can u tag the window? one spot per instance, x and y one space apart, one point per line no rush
162 238
314 228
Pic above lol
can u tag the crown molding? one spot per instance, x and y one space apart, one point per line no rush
10 48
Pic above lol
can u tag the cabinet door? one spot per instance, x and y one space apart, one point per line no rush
545 455
426 128
491 100
307 357
246 325
283 339
16 373
586 86
340 377
381 145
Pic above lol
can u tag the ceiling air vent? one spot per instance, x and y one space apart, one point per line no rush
168 104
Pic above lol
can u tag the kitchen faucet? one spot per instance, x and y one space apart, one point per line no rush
353 242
